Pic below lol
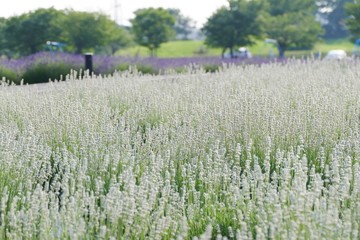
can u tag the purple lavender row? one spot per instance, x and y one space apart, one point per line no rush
107 64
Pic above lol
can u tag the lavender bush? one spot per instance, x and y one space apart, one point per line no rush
38 67
251 152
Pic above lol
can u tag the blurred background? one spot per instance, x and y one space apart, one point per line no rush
173 32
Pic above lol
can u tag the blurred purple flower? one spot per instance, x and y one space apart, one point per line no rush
108 64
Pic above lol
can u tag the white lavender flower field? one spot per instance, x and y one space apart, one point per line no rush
251 152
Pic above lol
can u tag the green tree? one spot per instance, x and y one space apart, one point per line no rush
353 22
85 30
332 16
292 24
3 46
28 32
234 25
152 27
118 37
183 25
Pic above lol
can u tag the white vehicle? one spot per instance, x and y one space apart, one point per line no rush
242 52
336 54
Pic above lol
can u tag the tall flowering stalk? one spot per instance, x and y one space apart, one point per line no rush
250 152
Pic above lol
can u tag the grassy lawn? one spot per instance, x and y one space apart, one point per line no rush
328 45
322 46
176 49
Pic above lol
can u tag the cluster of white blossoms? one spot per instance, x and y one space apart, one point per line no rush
249 152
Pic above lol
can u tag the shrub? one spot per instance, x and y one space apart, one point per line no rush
146 69
201 51
40 73
141 68
122 67
9 75
211 67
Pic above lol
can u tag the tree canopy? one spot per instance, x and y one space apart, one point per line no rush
28 32
353 22
152 27
333 17
292 24
86 30
3 45
118 37
183 25
280 7
234 25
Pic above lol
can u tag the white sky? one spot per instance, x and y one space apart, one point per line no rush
198 10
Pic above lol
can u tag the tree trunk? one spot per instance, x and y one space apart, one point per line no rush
152 52
223 53
78 50
33 49
113 50
281 49
231 52
8 55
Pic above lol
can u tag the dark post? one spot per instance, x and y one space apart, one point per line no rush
89 63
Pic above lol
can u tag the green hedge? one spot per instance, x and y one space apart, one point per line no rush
43 72
9 75
40 73
141 68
